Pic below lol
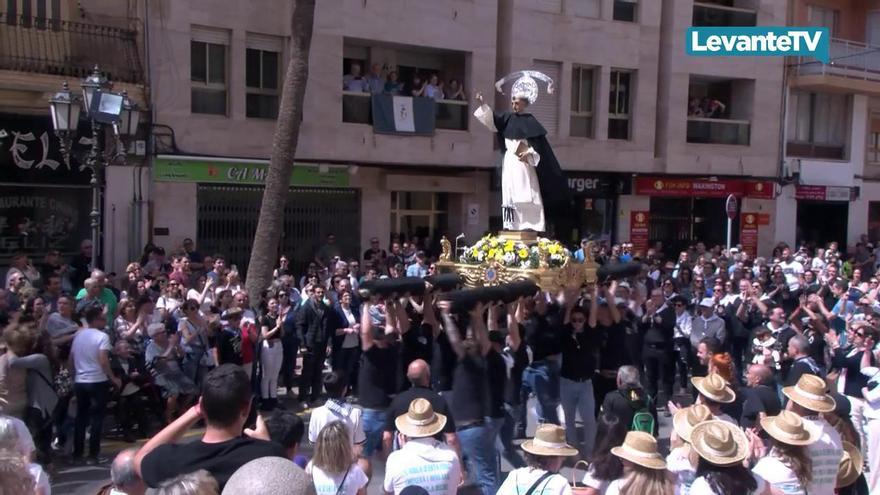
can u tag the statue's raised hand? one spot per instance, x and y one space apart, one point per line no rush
479 97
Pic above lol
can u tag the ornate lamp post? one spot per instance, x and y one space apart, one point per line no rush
103 109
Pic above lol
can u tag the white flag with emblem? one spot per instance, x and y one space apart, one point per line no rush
403 114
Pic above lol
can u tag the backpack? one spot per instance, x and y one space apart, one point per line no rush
643 420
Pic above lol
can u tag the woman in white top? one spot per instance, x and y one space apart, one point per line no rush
788 467
170 300
605 467
544 455
203 293
723 448
332 469
644 470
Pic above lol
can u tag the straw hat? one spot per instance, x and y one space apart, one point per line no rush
686 418
549 441
714 387
851 465
790 429
640 448
720 443
810 392
420 420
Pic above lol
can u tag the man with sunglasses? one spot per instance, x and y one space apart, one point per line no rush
848 361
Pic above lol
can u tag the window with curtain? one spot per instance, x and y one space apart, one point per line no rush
619 104
817 124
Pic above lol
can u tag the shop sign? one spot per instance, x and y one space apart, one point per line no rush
208 171
763 219
31 153
824 193
638 230
703 188
593 185
748 233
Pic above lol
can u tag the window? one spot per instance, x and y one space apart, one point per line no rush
874 148
584 8
546 107
625 10
261 79
422 214
581 122
619 104
817 125
208 72
824 17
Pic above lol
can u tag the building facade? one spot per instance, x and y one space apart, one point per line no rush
44 200
832 167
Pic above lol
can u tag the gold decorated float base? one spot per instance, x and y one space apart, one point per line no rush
571 274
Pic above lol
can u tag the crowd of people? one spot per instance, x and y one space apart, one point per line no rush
766 367
381 81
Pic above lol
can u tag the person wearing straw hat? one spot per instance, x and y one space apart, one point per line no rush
850 476
722 448
714 392
422 460
809 399
644 470
682 459
788 467
545 454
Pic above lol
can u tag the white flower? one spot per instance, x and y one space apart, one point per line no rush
509 258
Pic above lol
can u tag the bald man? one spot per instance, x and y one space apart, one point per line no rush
123 476
760 397
419 375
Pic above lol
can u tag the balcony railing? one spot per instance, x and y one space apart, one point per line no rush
450 114
849 59
65 48
714 15
718 131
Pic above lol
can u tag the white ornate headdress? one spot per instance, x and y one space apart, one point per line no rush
525 87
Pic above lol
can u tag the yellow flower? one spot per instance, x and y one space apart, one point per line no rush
523 253
493 243
553 249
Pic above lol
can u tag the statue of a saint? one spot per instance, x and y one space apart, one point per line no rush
531 179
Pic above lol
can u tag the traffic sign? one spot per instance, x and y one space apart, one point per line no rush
730 206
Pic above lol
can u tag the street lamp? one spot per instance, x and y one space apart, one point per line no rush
102 108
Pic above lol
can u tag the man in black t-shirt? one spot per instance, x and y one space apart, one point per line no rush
541 331
224 406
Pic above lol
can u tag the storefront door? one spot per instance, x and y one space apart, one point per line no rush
681 222
821 222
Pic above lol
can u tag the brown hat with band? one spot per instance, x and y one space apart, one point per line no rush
687 418
789 428
720 443
640 448
420 420
549 441
714 387
851 465
810 392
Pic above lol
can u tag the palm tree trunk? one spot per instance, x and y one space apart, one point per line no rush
268 235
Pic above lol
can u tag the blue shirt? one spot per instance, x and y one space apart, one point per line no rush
416 270
839 323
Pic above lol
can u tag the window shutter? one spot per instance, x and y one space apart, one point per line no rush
546 108
552 6
208 35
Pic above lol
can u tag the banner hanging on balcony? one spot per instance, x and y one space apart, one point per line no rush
403 115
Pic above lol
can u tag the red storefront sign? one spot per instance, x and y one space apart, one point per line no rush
823 193
671 187
763 219
638 231
748 233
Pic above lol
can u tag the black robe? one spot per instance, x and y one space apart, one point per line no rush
552 182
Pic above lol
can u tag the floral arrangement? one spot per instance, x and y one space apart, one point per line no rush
514 254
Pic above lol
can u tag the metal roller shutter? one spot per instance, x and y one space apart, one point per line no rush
546 108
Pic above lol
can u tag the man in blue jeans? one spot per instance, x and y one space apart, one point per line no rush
90 353
469 393
541 331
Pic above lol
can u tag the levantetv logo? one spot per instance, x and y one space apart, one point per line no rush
764 41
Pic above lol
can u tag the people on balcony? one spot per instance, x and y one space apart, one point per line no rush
708 108
354 81
393 86
434 88
375 83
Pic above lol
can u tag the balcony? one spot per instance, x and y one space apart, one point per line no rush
71 49
852 67
718 131
708 14
448 114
